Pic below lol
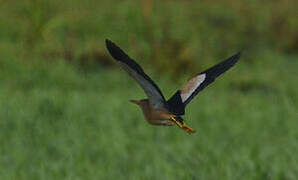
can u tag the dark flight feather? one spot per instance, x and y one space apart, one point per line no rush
122 57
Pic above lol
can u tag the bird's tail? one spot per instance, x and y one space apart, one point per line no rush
179 121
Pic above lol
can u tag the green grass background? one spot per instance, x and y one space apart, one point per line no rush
64 109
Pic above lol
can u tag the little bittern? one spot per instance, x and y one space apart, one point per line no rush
156 109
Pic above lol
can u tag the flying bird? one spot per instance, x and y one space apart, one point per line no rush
156 109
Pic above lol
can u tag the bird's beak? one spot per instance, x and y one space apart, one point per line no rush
135 102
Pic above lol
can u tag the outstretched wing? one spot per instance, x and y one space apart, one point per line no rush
135 71
193 86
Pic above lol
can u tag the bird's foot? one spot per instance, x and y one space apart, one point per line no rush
188 129
183 126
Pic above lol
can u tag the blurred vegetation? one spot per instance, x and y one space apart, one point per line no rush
62 101
191 33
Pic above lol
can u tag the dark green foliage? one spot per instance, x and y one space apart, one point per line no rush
193 34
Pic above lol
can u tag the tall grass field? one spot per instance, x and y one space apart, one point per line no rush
64 103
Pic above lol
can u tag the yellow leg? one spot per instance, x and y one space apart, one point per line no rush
177 122
183 125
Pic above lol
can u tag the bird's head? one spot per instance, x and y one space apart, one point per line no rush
141 103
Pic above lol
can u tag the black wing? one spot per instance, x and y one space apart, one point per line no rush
189 90
154 94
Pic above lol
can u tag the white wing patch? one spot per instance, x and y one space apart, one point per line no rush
191 86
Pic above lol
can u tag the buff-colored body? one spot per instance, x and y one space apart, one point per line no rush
160 116
153 116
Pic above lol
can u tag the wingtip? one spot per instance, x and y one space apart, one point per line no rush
109 43
112 48
236 57
115 51
238 54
